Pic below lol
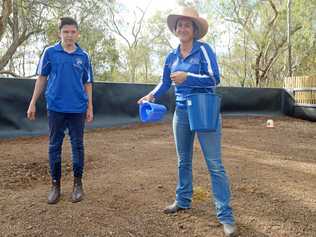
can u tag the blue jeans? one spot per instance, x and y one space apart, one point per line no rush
211 147
58 122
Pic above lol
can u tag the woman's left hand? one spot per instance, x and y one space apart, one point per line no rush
178 77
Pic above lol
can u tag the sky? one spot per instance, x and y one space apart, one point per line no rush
153 5
164 5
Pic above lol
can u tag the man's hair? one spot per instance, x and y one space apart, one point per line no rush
67 21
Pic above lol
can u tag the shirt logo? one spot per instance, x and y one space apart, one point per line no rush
78 62
194 61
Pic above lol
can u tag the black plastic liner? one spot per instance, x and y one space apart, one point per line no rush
115 104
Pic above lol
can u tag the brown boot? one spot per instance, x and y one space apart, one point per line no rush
77 193
54 194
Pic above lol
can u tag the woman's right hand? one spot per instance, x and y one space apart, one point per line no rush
149 97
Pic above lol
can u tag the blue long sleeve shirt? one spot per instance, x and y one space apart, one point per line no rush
201 68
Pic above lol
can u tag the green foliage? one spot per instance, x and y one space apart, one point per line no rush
100 46
102 51
248 36
304 43
257 55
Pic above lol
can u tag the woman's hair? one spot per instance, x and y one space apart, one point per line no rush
67 21
195 28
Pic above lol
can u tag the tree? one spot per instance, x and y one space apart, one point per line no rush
19 21
157 41
263 23
5 13
129 30
304 44
100 45
32 24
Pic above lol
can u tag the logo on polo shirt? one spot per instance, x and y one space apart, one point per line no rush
194 61
78 61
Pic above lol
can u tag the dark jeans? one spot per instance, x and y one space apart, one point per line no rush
58 123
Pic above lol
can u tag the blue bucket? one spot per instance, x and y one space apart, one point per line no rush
151 112
203 110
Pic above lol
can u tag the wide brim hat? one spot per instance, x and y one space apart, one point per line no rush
192 14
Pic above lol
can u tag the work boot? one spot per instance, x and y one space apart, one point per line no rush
54 194
230 230
77 193
173 208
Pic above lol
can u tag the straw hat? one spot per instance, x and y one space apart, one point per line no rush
192 14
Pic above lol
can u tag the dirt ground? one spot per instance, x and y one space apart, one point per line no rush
131 173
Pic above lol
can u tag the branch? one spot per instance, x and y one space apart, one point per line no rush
5 13
116 28
272 22
276 53
169 43
8 72
244 23
231 67
134 25
140 22
267 48
15 21
257 68
13 47
276 13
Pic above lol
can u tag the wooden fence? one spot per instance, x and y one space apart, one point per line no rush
302 89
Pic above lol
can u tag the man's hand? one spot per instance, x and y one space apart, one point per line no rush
31 112
89 114
39 87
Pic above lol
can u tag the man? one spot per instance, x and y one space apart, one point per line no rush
66 69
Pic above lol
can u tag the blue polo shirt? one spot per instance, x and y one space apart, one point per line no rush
202 72
66 74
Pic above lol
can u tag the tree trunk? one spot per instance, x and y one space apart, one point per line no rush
257 69
6 12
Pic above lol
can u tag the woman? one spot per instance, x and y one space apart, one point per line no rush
192 68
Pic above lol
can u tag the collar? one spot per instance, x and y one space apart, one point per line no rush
195 47
59 47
